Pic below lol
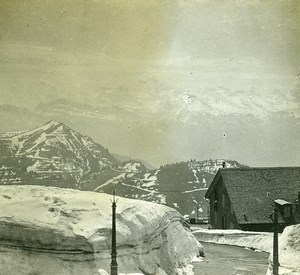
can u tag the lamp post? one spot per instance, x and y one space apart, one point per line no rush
285 209
275 241
114 264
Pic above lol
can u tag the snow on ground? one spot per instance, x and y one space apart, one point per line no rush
113 180
34 167
289 244
195 190
139 188
195 175
289 251
162 198
132 167
149 180
47 230
255 240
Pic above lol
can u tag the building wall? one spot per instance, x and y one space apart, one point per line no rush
222 215
221 212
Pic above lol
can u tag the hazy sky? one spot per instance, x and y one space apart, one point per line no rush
161 61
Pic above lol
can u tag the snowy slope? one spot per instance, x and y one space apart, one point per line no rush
56 155
180 185
223 101
52 154
47 230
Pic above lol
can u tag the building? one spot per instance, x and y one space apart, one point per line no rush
243 198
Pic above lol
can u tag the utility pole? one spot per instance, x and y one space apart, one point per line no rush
275 242
114 264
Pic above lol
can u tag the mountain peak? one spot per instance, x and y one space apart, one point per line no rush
52 123
53 153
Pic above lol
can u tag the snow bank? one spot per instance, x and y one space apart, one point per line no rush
255 240
289 252
50 231
289 244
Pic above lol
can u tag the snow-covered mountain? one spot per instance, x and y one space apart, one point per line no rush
192 122
223 101
180 185
56 155
52 154
217 101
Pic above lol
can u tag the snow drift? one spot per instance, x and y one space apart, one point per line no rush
289 252
48 230
255 240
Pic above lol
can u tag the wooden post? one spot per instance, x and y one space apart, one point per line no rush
275 242
114 264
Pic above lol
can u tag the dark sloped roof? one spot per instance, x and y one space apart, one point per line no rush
253 190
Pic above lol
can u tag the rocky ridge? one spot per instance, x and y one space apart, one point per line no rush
179 185
54 155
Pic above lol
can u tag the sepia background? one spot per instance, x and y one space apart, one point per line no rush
162 81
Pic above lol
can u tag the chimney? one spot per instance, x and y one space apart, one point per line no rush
224 164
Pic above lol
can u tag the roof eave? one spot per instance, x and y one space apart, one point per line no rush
213 184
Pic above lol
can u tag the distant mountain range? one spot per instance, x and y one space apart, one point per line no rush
180 185
181 129
56 155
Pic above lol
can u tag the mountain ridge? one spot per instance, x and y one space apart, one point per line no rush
56 155
180 185
53 152
126 158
